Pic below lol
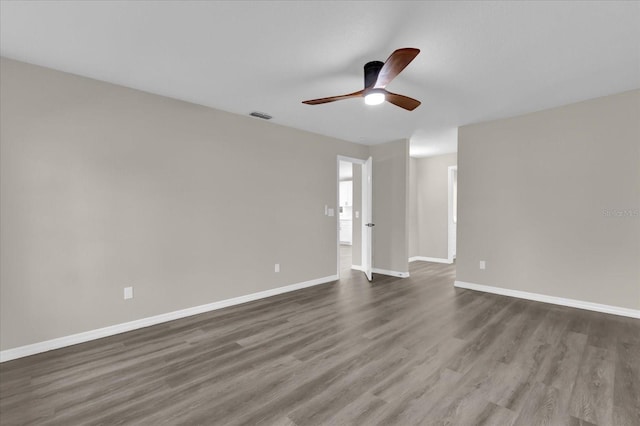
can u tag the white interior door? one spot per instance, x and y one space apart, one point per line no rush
367 218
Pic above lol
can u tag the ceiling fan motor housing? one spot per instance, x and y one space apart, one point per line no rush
371 71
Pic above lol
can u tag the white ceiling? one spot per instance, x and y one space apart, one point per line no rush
479 60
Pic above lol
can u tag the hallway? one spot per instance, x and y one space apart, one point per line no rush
346 260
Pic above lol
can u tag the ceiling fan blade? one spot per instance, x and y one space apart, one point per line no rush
396 62
402 101
357 94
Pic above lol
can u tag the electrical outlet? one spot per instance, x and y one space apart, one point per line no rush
128 293
277 267
357 214
483 264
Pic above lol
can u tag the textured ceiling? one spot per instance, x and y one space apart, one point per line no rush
479 60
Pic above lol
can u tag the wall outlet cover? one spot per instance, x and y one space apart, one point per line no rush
483 264
277 267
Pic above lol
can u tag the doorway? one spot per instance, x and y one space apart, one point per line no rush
346 214
354 206
453 212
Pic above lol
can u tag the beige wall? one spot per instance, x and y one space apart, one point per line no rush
534 193
429 205
104 187
391 206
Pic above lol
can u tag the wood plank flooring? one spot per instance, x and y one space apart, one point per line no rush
412 351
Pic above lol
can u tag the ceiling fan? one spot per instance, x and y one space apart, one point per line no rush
376 77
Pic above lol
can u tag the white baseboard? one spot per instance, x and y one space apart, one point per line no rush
580 304
391 273
74 339
430 259
357 268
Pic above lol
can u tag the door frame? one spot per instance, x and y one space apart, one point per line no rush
352 160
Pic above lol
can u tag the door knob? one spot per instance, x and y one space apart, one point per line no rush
370 225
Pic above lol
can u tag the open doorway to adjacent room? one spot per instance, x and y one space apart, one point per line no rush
452 213
353 239
346 215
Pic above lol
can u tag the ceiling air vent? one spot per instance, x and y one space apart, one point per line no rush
261 115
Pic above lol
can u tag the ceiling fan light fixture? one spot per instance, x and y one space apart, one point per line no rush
374 98
376 77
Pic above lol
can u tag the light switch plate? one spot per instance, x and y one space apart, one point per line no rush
128 293
331 212
483 264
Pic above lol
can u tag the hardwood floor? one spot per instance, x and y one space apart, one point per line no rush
394 352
